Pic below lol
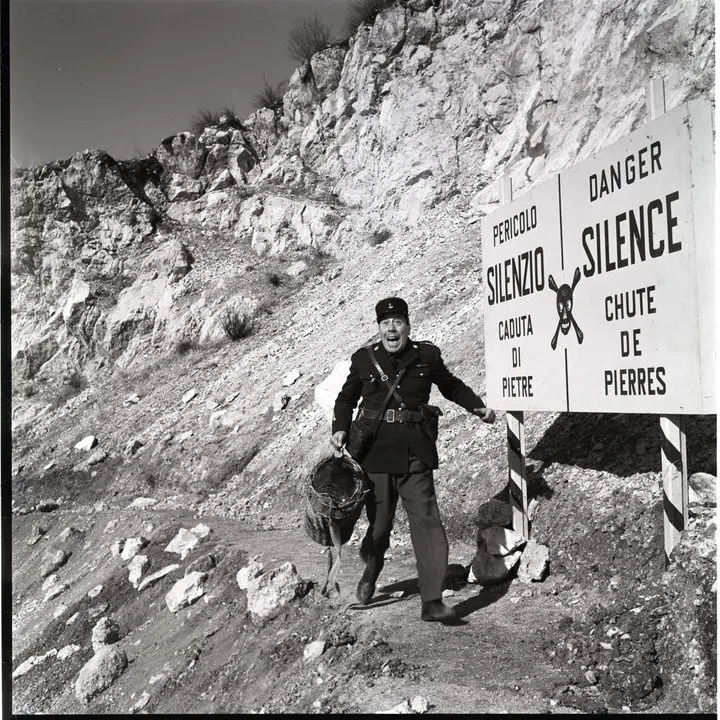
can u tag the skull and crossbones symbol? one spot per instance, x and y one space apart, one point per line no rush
564 308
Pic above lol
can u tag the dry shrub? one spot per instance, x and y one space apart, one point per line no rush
308 37
236 325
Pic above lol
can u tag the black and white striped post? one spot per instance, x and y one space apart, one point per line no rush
517 481
672 427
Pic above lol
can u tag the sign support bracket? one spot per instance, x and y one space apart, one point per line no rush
515 420
672 427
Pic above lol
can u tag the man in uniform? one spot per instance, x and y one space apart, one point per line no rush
403 455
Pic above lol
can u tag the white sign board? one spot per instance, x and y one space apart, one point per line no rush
600 283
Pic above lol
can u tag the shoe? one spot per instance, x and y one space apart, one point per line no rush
366 586
438 611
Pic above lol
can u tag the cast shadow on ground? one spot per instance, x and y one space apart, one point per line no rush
623 444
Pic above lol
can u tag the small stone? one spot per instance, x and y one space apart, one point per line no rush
189 395
31 662
204 563
98 610
291 378
201 530
49 581
590 677
248 573
105 632
116 548
87 443
72 618
186 591
152 579
54 591
419 704
132 547
110 527
59 610
131 399
136 567
182 543
95 591
67 651
142 502
47 506
68 533
314 650
132 447
97 457
141 703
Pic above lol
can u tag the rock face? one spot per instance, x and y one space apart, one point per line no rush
425 103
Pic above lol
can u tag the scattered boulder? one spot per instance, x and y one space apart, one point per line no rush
132 447
534 562
488 568
270 591
501 540
86 444
186 591
95 591
54 591
189 395
182 543
314 649
204 563
143 502
292 377
152 579
136 567
132 547
52 561
280 401
35 534
100 672
98 610
31 662
105 632
67 651
97 457
47 506
248 573
493 512
327 391
704 486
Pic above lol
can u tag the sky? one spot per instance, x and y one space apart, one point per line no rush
121 75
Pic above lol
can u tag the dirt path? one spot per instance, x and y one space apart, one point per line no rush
209 658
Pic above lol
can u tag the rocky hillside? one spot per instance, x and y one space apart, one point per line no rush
183 308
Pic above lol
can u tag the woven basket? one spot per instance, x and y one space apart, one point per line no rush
334 492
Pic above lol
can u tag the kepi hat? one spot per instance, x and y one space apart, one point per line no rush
392 306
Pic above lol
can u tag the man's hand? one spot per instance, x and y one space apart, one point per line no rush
486 414
337 440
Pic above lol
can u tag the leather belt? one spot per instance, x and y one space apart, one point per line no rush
391 416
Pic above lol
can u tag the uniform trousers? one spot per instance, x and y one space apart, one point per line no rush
416 488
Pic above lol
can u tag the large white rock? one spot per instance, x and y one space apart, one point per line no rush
182 543
152 579
269 592
501 541
186 591
534 562
248 573
327 391
100 672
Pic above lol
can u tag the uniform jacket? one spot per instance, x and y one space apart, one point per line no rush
395 442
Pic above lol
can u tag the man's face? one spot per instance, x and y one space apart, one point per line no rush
394 333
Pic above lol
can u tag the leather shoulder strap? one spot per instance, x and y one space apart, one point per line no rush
385 378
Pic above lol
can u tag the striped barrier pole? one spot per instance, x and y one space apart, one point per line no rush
517 480
674 480
672 427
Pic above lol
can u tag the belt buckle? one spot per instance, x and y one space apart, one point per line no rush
390 416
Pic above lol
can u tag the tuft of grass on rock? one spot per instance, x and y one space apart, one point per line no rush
271 96
236 325
308 37
363 11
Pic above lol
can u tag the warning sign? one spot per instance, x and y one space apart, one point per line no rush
600 283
